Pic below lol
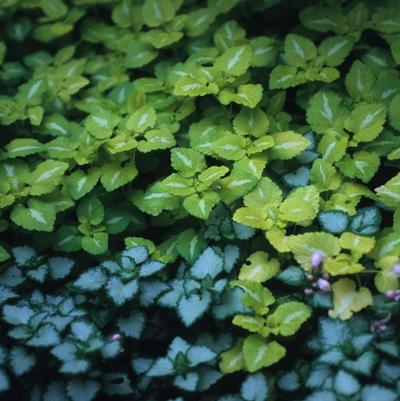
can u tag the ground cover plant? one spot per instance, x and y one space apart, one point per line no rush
199 200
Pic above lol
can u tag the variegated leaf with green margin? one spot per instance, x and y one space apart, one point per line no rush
101 124
347 299
343 264
36 215
335 49
248 95
194 86
232 360
332 148
187 161
46 176
386 279
142 119
115 175
230 147
251 122
157 12
264 51
22 147
200 205
286 76
234 61
287 145
265 193
139 54
363 165
80 183
322 174
359 80
389 193
299 50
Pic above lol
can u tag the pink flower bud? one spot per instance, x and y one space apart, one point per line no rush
325 276
396 269
308 291
116 337
378 326
323 285
391 294
309 277
316 259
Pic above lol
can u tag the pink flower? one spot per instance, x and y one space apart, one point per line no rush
323 285
391 294
316 259
396 269
116 337
308 291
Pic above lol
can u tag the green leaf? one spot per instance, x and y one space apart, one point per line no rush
288 318
325 112
22 147
389 193
194 86
256 296
142 119
234 61
251 122
139 54
332 148
366 121
359 80
265 193
90 210
46 177
211 175
157 12
322 19
335 49
37 215
113 175
200 206
364 165
334 222
248 95
230 147
285 76
79 183
299 50
187 161
347 300
177 185
101 124
288 144
54 9
198 21
259 267
394 117
97 244
258 353
264 51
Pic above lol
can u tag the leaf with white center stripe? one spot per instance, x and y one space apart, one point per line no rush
258 353
187 161
335 49
255 217
234 61
389 193
366 121
359 80
194 86
348 300
287 145
37 215
286 76
46 177
259 267
157 12
200 206
115 175
230 147
139 54
323 19
33 90
90 210
142 119
23 147
248 95
101 124
363 165
251 122
116 220
80 183
394 108
288 318
299 50
190 244
236 185
325 112
264 51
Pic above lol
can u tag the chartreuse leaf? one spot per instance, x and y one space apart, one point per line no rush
259 267
387 279
356 243
230 147
234 61
363 165
286 76
187 161
251 122
194 86
232 360
288 144
101 124
347 300
335 49
265 193
36 215
299 50
389 193
201 205
322 174
325 112
288 318
211 175
255 217
248 95
256 296
258 353
366 121
332 148
393 112
21 147
304 245
301 205
142 119
113 175
47 176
